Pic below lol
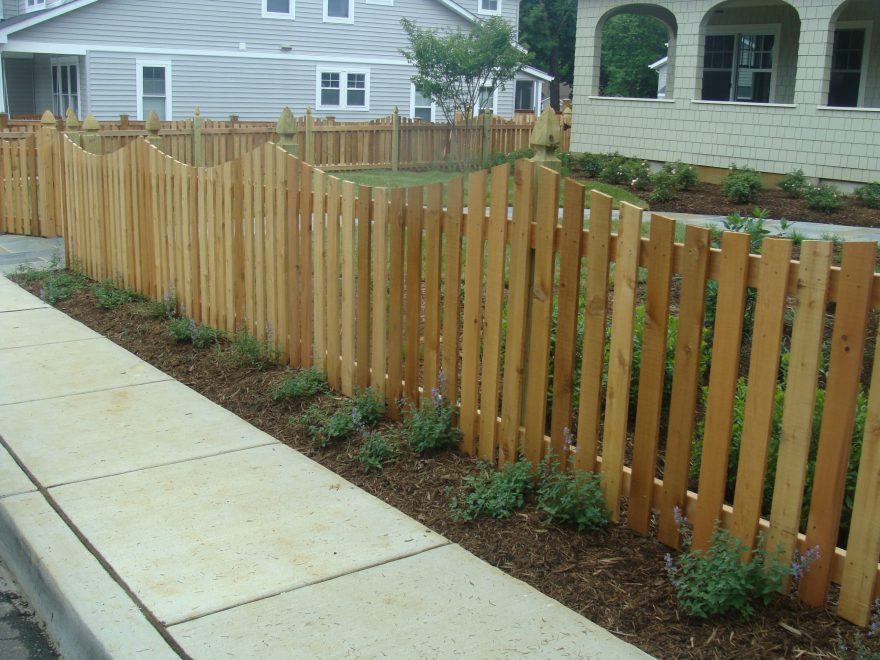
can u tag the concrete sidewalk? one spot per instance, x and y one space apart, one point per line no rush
142 520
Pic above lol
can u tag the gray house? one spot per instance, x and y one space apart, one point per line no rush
249 57
771 84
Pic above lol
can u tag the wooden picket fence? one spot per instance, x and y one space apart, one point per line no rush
366 284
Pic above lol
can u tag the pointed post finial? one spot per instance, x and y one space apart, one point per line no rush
286 130
91 124
153 124
48 119
197 112
545 140
71 120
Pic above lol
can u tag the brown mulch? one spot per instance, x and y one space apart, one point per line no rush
615 578
708 199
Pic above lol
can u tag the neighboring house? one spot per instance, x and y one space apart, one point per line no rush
772 85
660 66
249 57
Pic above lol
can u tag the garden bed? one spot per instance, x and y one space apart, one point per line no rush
614 577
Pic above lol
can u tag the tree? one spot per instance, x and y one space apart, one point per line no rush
547 29
453 66
629 44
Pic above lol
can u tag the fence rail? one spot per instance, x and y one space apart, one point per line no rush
388 288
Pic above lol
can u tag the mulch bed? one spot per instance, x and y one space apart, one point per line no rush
706 198
615 578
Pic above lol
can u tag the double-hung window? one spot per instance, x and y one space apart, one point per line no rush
524 97
739 67
278 9
339 11
490 7
154 89
34 5
65 85
421 106
486 100
846 84
343 89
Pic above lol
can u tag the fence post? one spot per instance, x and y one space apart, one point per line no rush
4 121
395 139
124 124
152 125
487 136
46 141
198 155
73 126
286 130
91 139
310 138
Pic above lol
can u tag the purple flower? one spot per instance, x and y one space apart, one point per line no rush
680 519
801 562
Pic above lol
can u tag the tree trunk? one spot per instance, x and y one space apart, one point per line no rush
554 84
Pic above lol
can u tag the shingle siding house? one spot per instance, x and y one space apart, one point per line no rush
773 85
249 57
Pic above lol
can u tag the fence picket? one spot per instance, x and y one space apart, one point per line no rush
414 210
397 221
319 266
334 375
379 308
433 247
349 203
452 283
362 348
652 372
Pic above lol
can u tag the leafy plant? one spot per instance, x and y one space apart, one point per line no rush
869 194
615 169
718 581
370 407
313 420
204 336
794 184
301 383
742 185
495 493
823 197
499 158
431 426
109 296
376 452
247 350
683 176
187 330
753 225
166 308
61 285
663 187
573 497
591 164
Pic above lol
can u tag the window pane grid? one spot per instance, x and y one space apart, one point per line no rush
351 94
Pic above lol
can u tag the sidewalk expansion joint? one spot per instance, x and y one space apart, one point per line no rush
48 343
114 575
100 389
391 560
25 309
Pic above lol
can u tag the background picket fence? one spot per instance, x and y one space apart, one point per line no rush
389 288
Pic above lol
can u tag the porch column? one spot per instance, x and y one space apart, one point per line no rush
814 57
2 86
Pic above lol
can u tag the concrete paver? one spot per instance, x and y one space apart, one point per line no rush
41 326
66 368
13 298
218 532
12 479
443 603
86 612
121 430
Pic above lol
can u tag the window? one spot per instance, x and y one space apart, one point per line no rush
65 86
278 9
339 11
33 5
486 100
524 97
846 86
421 106
739 67
489 7
340 90
154 89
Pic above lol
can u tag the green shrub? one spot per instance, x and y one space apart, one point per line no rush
742 185
869 195
370 407
717 581
204 336
340 425
109 296
573 498
494 493
683 176
301 383
376 452
159 309
591 164
794 184
664 187
247 350
60 285
499 158
431 426
181 329
823 197
615 169
753 225
313 420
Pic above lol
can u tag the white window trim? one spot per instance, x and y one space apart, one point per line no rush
488 12
39 4
53 61
494 102
289 16
535 95
140 64
336 19
412 104
772 28
388 3
343 72
863 76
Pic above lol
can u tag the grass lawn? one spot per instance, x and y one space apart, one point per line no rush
406 179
